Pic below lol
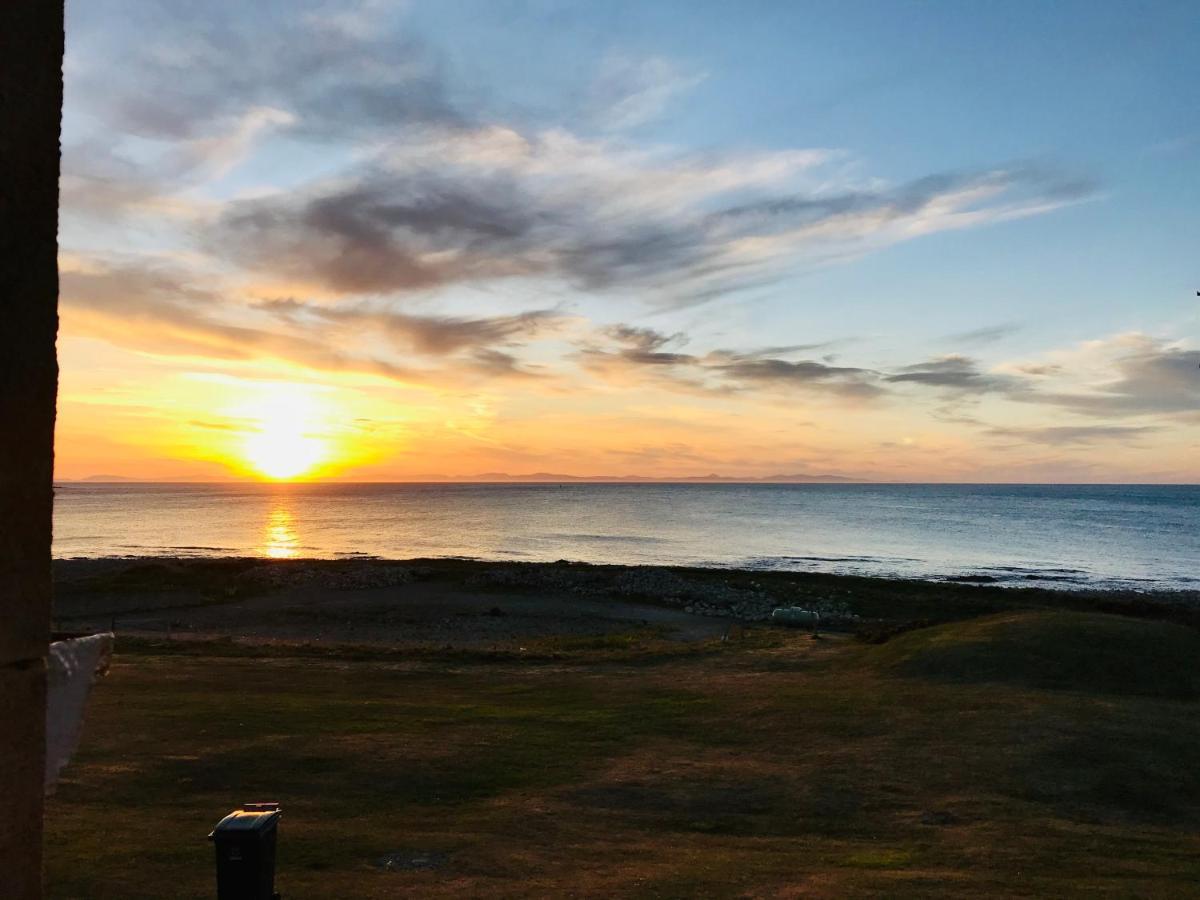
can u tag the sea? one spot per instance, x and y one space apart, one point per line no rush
1129 537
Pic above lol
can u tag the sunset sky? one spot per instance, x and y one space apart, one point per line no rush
395 240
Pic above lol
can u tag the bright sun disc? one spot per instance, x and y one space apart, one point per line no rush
281 444
283 454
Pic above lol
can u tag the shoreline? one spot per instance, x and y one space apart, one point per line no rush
1007 577
456 602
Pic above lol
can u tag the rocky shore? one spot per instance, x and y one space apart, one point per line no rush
749 603
466 602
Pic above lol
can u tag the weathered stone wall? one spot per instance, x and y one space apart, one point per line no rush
31 48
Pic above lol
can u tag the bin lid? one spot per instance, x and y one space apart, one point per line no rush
248 819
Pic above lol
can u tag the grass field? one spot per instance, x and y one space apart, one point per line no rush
772 766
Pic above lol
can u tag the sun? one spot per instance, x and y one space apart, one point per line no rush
282 454
282 440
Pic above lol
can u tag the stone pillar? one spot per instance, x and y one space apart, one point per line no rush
31 50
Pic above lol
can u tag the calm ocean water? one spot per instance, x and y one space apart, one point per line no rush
1132 536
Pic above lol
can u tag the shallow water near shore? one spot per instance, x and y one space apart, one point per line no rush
1072 536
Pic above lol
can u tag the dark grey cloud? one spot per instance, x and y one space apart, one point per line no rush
954 372
389 234
643 339
1075 435
419 222
634 352
433 335
644 346
625 349
845 381
393 232
498 363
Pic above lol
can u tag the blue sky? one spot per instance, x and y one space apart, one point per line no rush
968 230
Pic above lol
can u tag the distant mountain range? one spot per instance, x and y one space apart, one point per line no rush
541 477
803 478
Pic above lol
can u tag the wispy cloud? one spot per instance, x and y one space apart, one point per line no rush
160 309
340 71
433 335
977 337
483 206
955 373
633 354
1075 435
630 91
430 187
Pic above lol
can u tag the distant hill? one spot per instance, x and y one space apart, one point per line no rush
101 478
801 478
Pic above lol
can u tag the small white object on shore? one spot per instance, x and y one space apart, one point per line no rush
796 617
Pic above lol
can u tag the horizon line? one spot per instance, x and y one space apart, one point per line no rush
601 479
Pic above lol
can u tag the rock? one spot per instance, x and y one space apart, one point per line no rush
652 583
410 860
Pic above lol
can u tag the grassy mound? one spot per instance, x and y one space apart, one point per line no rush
1059 650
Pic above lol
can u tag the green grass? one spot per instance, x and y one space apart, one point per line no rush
1061 650
772 766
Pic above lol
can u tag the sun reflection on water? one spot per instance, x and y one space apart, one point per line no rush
280 540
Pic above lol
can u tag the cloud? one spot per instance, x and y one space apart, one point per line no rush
1140 375
431 335
644 346
636 354
199 85
845 381
954 372
980 336
156 308
629 355
340 71
447 207
1075 435
1039 370
628 92
437 191
1118 377
101 182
